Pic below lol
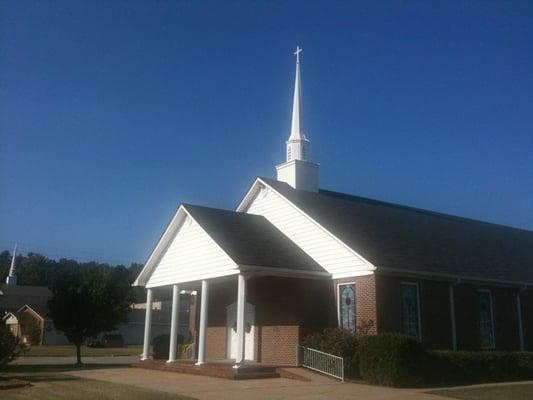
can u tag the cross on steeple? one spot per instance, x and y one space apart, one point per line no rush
297 54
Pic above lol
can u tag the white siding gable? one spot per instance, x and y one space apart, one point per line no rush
190 256
328 251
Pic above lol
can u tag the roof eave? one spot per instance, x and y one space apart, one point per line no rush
452 277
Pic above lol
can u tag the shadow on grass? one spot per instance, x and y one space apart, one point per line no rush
18 369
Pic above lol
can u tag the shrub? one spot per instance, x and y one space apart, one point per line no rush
339 342
10 346
161 346
449 367
392 359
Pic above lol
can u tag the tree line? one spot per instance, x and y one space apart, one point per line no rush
88 297
38 270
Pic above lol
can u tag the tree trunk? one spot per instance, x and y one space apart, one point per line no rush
78 354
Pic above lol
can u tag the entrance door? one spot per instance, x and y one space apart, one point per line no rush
232 338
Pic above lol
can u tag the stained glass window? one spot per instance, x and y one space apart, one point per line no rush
486 326
347 306
410 308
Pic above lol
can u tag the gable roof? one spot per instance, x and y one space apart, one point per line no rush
251 240
398 237
12 297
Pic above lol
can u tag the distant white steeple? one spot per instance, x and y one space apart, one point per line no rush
297 171
12 277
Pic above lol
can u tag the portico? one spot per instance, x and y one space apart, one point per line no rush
229 258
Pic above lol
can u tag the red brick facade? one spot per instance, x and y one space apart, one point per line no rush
365 299
287 309
435 316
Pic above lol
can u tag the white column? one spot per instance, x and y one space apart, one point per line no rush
203 322
147 325
452 318
520 328
241 301
174 324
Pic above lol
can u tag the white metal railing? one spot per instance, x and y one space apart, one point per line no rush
325 363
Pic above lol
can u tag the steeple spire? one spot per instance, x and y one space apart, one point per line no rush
297 171
296 126
297 143
12 277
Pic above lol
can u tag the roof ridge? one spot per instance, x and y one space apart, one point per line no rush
349 197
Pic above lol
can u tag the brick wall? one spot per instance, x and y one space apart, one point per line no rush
365 299
435 313
285 310
434 309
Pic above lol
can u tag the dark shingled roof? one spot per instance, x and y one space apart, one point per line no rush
12 297
251 239
400 237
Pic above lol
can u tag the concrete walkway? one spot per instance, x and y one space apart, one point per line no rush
200 387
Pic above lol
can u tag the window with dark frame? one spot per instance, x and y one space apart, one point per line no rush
410 309
486 323
347 315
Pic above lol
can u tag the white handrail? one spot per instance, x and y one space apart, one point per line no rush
323 362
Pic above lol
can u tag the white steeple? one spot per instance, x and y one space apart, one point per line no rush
12 277
297 145
297 171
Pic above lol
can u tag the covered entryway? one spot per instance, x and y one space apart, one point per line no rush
218 253
249 330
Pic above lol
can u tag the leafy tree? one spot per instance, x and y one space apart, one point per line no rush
88 302
10 346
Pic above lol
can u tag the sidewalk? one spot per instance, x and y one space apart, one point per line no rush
205 388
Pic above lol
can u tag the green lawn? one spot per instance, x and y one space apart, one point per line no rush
51 386
66 351
503 392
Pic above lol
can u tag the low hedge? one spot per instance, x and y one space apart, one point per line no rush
460 367
392 359
339 342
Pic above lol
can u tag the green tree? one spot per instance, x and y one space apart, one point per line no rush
10 346
88 302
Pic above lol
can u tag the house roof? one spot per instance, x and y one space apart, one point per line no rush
13 297
41 309
405 238
251 240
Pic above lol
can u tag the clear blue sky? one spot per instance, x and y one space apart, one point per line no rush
112 113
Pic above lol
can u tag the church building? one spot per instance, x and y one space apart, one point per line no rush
294 259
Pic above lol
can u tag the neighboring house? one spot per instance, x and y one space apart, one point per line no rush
294 259
133 331
26 306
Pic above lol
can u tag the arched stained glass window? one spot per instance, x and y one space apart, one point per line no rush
347 306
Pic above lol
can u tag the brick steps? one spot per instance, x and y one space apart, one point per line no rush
218 370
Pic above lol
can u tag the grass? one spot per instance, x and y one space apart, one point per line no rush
499 392
52 386
70 351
